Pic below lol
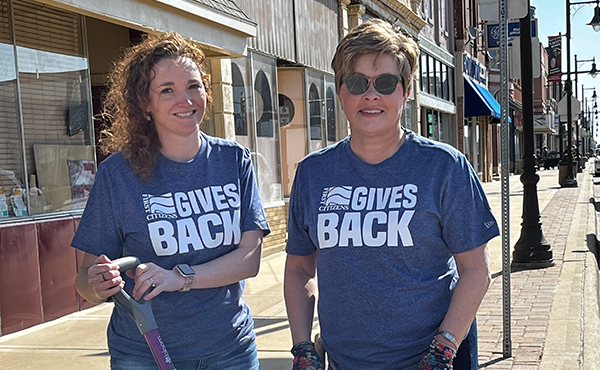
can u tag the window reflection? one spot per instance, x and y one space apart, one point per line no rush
331 123
239 101
264 106
314 107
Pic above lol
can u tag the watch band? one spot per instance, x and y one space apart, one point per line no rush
188 283
189 276
449 337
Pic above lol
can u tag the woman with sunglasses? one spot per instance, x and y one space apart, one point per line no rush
389 219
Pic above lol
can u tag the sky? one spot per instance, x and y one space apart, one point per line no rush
585 43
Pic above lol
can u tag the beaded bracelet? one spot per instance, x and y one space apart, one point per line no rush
438 357
306 357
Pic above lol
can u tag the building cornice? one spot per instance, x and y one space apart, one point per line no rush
404 9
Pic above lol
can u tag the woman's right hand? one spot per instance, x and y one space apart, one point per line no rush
104 277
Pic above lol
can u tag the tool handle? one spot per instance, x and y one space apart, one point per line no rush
159 351
127 263
141 310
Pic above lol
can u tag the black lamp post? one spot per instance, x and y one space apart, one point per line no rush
592 72
585 116
570 180
532 250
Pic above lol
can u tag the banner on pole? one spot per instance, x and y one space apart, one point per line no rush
554 50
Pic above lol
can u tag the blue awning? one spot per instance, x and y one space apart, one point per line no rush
480 102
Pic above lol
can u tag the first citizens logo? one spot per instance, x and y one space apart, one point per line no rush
374 217
196 219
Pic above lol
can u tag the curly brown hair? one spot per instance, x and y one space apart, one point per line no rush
379 37
129 96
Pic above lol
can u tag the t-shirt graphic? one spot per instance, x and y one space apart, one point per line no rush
196 219
373 217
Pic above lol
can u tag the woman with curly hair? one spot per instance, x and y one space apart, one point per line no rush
186 204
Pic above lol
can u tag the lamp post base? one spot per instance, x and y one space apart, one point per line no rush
532 250
570 183
530 265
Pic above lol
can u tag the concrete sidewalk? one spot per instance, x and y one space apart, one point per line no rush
555 313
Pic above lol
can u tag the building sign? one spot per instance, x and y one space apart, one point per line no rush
514 30
474 69
554 50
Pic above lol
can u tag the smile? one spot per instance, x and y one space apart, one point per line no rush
186 114
371 111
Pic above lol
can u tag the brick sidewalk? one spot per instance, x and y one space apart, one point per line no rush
532 293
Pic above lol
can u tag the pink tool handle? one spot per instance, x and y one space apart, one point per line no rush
159 351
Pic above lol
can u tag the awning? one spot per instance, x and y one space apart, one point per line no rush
480 102
220 26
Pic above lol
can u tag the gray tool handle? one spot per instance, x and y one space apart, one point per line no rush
141 310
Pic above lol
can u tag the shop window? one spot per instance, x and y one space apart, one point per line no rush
331 123
444 84
407 114
314 107
431 63
11 156
264 106
438 79
266 150
239 102
55 171
242 103
424 74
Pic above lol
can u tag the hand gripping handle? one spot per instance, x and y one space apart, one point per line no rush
141 310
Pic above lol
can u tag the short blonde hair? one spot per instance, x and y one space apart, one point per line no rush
379 37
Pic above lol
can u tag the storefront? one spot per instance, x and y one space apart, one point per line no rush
54 61
436 94
481 110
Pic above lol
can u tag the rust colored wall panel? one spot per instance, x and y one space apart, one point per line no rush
83 304
58 268
20 292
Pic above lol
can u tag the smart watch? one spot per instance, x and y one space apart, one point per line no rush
188 273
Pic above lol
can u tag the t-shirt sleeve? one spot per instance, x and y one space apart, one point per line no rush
99 232
299 242
467 219
253 213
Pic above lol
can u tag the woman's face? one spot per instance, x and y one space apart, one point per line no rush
177 98
373 113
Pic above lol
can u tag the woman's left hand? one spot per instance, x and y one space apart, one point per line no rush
149 275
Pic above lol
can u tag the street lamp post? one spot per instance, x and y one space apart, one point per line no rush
593 73
585 117
532 250
570 180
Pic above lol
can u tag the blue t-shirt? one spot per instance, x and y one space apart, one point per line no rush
386 234
190 213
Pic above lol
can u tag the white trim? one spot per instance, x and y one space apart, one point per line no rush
212 15
429 101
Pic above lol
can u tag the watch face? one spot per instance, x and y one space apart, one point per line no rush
186 270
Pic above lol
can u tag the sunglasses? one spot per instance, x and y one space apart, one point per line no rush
384 84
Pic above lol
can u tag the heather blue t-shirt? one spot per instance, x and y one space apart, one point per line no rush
190 213
386 234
